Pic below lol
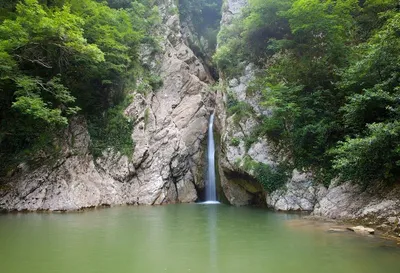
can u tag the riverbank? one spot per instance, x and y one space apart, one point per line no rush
343 226
303 220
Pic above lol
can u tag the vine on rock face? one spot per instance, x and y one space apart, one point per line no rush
271 178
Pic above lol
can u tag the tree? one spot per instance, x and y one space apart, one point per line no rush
59 58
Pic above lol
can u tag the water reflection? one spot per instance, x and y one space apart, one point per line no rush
194 238
212 230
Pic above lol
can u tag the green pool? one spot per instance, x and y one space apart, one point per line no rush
184 238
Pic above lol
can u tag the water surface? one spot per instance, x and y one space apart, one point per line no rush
184 238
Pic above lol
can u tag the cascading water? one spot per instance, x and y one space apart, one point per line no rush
211 191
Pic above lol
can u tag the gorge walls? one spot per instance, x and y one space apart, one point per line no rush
170 126
243 156
250 163
167 164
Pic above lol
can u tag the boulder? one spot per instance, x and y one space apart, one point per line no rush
362 230
337 230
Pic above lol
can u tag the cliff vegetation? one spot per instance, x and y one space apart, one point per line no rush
63 58
329 71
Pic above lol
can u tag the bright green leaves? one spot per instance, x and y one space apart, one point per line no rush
48 40
372 105
109 29
114 33
30 100
36 108
331 80
371 151
377 59
322 18
58 58
7 65
13 35
227 58
322 31
376 156
59 29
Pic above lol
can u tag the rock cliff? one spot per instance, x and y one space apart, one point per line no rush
166 164
239 150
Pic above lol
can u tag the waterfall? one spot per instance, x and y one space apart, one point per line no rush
211 191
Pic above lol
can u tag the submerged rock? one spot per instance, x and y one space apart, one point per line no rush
337 230
362 230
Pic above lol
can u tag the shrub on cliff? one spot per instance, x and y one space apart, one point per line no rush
331 77
59 58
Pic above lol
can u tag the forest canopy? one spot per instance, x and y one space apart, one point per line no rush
330 71
63 57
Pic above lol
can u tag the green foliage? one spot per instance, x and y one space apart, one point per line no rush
373 157
239 109
250 140
173 10
35 107
253 36
271 178
231 49
370 152
203 17
148 82
60 58
155 82
204 14
114 130
235 141
331 80
146 116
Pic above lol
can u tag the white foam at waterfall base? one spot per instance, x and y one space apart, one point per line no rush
210 203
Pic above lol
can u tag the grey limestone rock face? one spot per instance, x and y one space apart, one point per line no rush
170 126
349 201
235 6
70 183
299 194
233 152
345 201
238 183
230 9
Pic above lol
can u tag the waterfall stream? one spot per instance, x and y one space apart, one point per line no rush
211 191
